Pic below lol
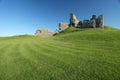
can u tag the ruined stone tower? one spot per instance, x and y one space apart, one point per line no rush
73 20
93 21
100 22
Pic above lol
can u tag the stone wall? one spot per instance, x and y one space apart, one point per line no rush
63 26
43 33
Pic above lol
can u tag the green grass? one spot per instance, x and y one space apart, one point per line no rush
74 54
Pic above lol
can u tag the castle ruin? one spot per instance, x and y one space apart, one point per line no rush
94 22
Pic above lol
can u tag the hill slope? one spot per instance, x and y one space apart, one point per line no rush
74 54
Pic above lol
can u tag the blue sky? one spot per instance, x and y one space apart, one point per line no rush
25 16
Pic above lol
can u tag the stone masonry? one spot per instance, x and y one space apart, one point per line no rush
63 26
73 20
43 33
92 23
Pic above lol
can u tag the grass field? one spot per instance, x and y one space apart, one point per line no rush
74 54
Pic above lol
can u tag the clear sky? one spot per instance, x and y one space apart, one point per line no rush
25 16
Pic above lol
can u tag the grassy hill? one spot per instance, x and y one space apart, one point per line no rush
74 54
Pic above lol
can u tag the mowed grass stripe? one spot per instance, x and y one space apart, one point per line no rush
48 70
100 61
65 56
19 67
7 65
